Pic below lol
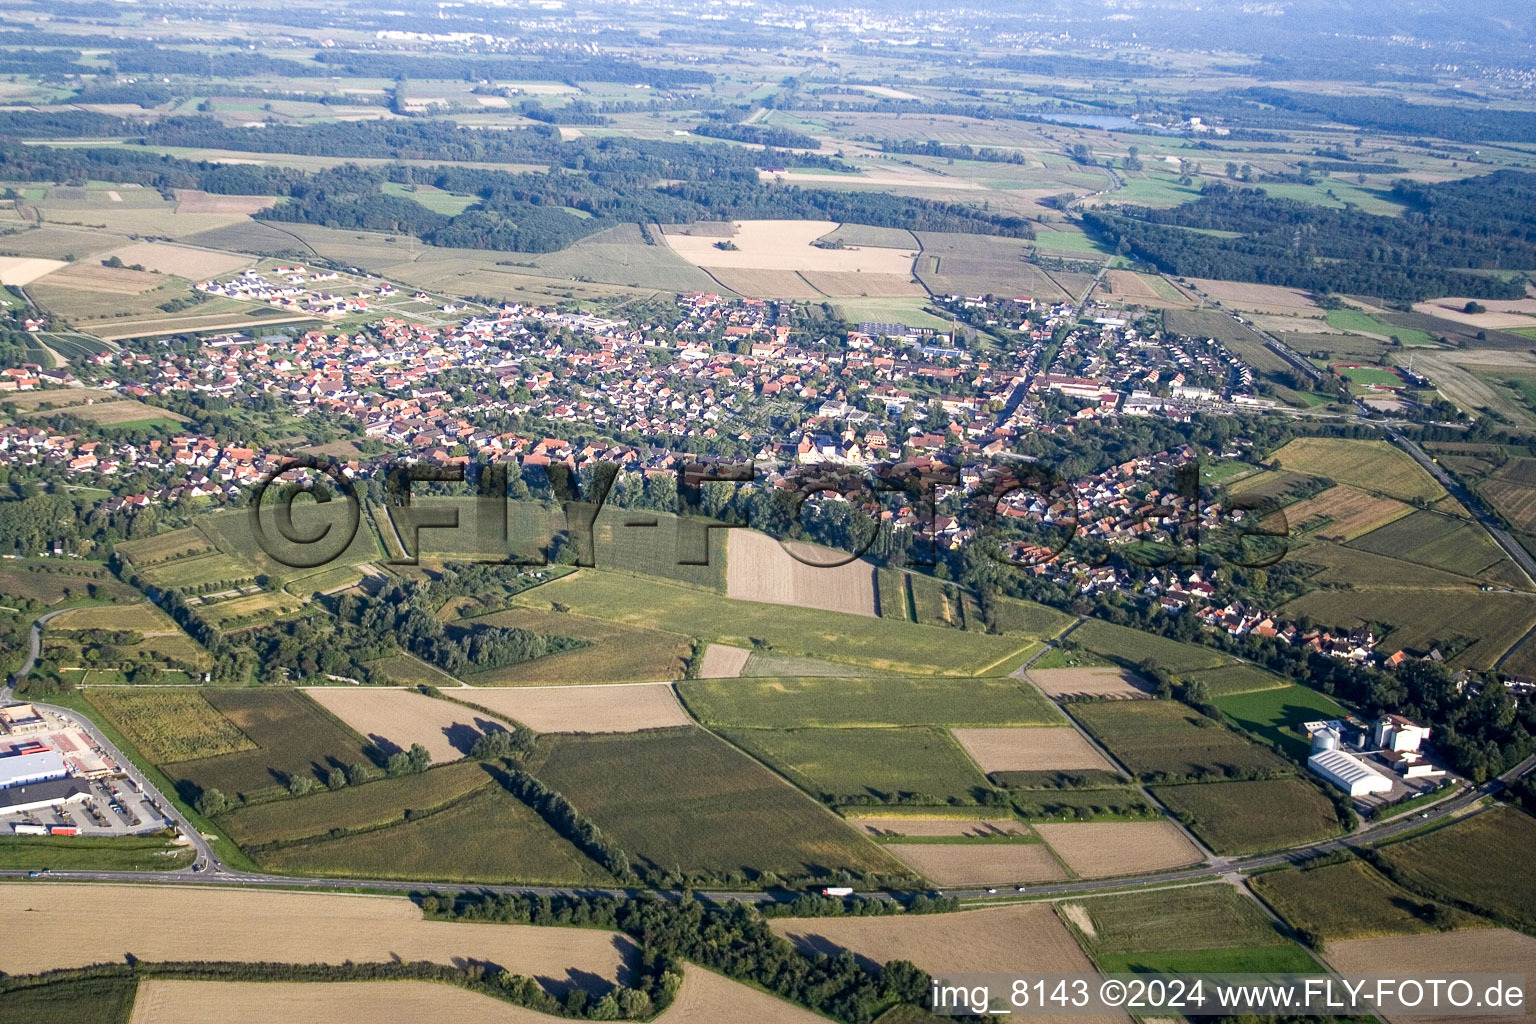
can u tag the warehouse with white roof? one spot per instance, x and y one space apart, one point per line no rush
1349 773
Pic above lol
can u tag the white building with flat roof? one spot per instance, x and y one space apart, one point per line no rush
1349 773
22 769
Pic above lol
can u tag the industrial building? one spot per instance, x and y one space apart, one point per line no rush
1394 732
40 795
20 719
23 769
1348 772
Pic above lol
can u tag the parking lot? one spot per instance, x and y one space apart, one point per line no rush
114 808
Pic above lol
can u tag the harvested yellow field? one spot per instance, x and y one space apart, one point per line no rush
1260 298
764 284
1345 512
617 707
1025 937
786 245
1437 955
979 863
1101 849
181 260
321 1002
394 719
190 200
90 924
20 270
723 662
96 278
709 998
1500 313
908 826
1031 750
1137 289
843 284
108 413
1091 682
758 568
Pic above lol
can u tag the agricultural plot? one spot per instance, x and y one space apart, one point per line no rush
1343 513
1248 817
1490 950
622 707
656 550
1211 323
1143 290
49 585
1348 565
1103 849
169 725
909 824
95 277
1031 750
1089 682
1374 466
181 573
913 765
250 610
1439 542
1231 679
855 639
763 284
286 927
233 534
16 271
754 703
787 245
1165 739
1074 805
840 284
369 805
759 568
722 662
1024 937
1130 647
706 997
614 652
1027 618
162 638
181 260
1472 629
1277 714
1480 864
183 543
1198 928
1012 863
293 737
1349 901
489 837
865 234
394 720
962 264
167 1001
1260 298
682 800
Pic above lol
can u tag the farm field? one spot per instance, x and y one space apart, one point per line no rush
1027 618
49 586
758 568
93 853
1231 679
293 737
684 801
1440 542
1071 805
1495 841
1374 466
151 922
107 1000
786 245
1089 681
722 662
182 543
891 701
376 803
488 837
1348 901
409 670
172 1001
910 824
1012 863
855 639
1248 817
623 707
232 533
1343 513
614 652
1260 298
1472 629
954 263
1129 647
169 725
921 765
1492 950
707 997
1166 739
1102 849
1211 927
394 720
1277 714
1030 750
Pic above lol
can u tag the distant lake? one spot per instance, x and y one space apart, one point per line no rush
1105 122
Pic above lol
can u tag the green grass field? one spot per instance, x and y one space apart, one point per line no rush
1277 715
1198 928
1248 817
873 643
69 1000
1130 647
1364 323
684 801
170 725
489 837
1482 864
293 737
886 701
377 803
1165 739
916 765
92 853
1349 901
1231 679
